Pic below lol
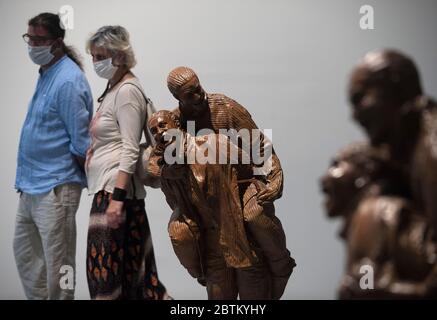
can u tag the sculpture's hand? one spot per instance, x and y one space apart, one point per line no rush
265 195
266 192
272 189
154 166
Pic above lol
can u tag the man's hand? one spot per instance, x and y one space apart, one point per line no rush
115 214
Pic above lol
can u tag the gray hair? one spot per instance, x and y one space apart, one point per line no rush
115 39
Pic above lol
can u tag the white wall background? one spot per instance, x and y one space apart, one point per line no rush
287 62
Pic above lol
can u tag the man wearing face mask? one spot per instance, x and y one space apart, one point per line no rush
51 153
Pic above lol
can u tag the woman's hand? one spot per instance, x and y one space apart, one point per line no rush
115 214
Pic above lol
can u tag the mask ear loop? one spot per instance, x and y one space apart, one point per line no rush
100 99
62 46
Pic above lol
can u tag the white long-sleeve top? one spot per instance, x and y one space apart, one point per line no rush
116 132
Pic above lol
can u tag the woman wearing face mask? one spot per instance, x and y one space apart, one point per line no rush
120 258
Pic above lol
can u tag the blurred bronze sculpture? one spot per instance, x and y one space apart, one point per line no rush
382 228
388 102
386 190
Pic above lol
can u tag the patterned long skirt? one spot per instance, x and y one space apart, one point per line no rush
121 262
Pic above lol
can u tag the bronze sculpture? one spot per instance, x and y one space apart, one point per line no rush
389 103
385 190
257 192
382 228
207 228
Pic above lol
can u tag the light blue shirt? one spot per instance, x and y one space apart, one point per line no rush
55 130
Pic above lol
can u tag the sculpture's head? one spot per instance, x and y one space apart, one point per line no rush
185 86
160 122
352 169
380 85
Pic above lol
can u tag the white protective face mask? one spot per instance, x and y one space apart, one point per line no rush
105 69
40 55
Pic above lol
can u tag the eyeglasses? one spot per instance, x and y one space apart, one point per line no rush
35 39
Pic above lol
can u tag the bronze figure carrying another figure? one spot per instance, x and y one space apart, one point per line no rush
207 228
257 191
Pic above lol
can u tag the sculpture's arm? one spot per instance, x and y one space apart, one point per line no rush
275 183
272 170
170 196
